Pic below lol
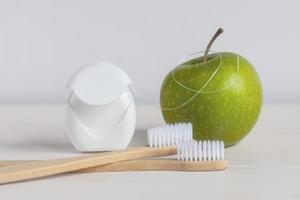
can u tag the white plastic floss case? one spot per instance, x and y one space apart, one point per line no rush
101 113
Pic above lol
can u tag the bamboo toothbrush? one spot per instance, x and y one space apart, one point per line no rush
157 138
192 156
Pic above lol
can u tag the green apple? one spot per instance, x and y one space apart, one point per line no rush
219 93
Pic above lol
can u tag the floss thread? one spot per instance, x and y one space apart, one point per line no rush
200 91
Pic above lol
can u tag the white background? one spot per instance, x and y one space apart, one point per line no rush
43 42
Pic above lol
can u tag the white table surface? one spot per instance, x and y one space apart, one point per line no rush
265 165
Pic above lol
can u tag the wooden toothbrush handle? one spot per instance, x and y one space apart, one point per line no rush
159 165
147 165
32 170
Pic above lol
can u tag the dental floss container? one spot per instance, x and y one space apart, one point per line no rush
100 113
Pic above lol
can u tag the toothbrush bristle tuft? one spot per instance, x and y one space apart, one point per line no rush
201 151
170 134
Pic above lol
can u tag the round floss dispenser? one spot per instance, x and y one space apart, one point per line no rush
101 112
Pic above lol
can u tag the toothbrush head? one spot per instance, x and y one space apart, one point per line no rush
170 134
201 151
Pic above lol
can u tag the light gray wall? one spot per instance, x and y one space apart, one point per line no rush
43 42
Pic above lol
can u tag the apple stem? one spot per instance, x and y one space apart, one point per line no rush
219 31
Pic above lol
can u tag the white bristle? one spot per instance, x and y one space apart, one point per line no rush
208 150
170 134
204 150
200 151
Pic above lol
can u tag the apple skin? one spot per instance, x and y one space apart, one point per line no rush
227 107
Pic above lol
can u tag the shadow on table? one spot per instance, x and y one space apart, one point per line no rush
139 139
38 142
55 143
